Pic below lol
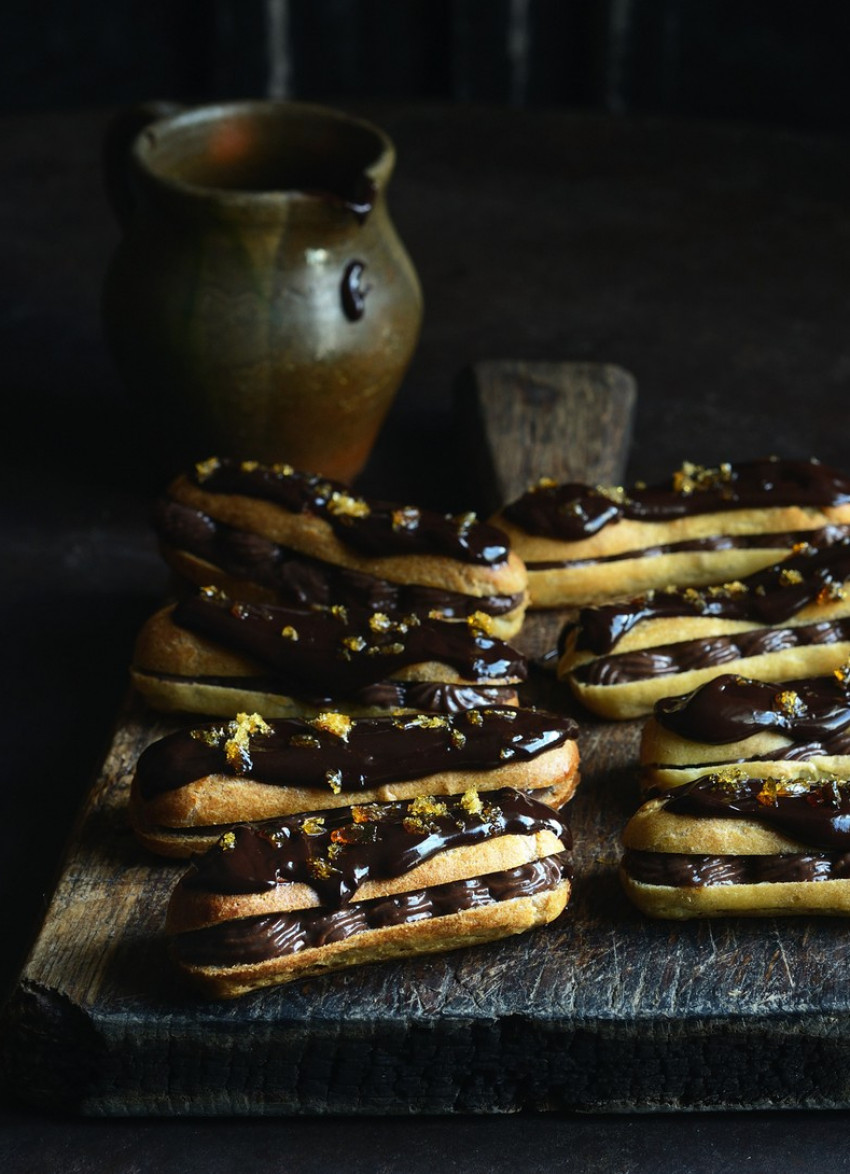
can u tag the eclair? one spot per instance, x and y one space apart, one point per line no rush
798 728
211 654
731 844
789 621
271 534
191 784
584 544
314 893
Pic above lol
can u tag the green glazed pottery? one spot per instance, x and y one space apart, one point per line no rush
260 304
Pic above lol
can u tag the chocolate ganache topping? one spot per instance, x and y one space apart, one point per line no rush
814 573
575 511
335 852
814 812
344 650
255 939
730 708
349 754
368 526
302 581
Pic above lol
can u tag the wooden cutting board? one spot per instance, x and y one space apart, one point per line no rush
603 1010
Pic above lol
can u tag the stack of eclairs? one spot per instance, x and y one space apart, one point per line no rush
352 777
358 779
715 609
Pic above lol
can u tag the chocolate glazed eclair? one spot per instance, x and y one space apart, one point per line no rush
191 784
789 621
730 844
330 889
215 655
799 728
707 525
271 534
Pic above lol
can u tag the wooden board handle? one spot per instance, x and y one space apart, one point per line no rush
570 421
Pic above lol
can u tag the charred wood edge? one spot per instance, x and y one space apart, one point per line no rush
51 1054
64 1060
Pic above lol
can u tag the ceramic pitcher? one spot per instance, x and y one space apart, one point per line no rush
260 304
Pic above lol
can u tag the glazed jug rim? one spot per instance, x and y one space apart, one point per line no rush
153 140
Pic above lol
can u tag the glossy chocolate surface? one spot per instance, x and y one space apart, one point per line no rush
683 871
337 851
575 511
255 939
301 581
366 753
707 652
815 573
730 708
814 813
371 527
340 650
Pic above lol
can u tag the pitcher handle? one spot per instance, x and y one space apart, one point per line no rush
120 135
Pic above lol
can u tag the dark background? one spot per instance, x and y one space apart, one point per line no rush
783 63
763 62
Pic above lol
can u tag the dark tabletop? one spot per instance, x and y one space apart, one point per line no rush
711 261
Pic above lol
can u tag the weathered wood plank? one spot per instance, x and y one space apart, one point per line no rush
569 421
602 1010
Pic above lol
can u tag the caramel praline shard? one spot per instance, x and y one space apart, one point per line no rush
338 724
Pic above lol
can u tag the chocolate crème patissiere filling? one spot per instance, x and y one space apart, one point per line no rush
574 511
301 581
715 543
346 648
350 754
259 938
367 525
812 813
678 870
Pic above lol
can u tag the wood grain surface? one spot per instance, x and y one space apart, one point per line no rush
602 1010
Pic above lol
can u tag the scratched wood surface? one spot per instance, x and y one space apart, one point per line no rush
603 1010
